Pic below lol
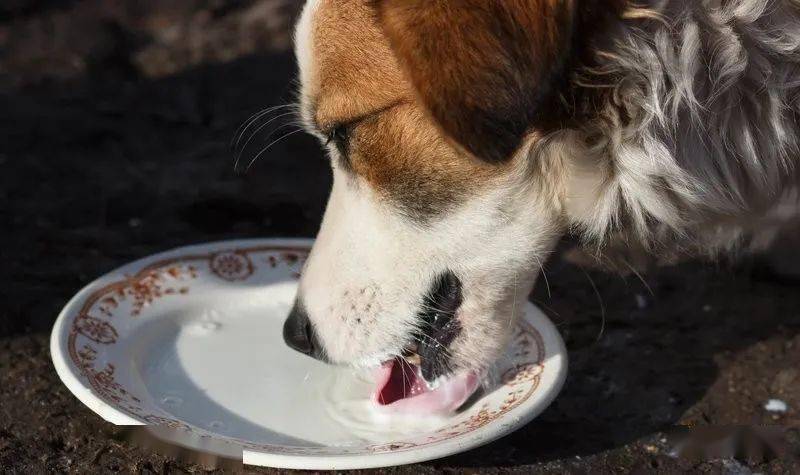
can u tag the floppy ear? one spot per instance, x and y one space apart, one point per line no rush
485 69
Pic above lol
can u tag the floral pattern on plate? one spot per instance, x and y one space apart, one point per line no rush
92 331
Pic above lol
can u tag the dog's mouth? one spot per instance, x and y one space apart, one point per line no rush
422 380
400 385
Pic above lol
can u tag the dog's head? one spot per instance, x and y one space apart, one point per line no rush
439 217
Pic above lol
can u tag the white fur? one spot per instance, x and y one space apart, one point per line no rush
304 50
371 267
698 137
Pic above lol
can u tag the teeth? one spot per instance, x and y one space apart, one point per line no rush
414 359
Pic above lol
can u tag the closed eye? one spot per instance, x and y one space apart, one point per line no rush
339 136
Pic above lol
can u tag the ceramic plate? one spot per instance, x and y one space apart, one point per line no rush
190 340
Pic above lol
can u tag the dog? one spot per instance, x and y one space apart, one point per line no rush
466 137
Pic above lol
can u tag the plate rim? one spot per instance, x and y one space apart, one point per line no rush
65 371
86 395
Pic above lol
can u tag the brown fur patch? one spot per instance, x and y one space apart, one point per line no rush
393 145
403 154
355 71
484 69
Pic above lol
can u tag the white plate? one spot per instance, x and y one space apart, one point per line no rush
190 339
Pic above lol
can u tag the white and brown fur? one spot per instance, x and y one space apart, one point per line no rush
479 132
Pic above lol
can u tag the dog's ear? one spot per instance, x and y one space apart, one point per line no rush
486 70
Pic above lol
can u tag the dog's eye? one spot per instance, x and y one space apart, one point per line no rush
339 136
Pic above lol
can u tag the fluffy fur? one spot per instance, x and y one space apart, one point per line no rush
694 137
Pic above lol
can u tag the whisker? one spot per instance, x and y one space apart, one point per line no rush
600 301
637 274
270 145
513 304
405 378
250 120
551 310
544 274
267 137
432 305
442 347
426 306
246 123
255 133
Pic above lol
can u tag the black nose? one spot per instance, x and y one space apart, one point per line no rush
298 333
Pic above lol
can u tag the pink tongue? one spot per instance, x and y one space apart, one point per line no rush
401 389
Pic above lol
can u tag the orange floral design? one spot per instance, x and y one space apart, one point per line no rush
153 285
104 378
95 329
522 374
167 422
289 258
107 306
87 354
231 266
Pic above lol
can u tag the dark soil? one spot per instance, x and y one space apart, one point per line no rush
114 131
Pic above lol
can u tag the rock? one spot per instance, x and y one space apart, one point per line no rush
776 405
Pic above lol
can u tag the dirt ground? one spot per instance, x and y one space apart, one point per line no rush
114 132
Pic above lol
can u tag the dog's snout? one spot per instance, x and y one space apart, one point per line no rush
298 333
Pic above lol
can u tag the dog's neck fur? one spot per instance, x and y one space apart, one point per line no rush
693 123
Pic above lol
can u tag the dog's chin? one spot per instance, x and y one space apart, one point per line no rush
400 387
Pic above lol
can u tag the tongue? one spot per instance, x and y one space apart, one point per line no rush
402 389
403 382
